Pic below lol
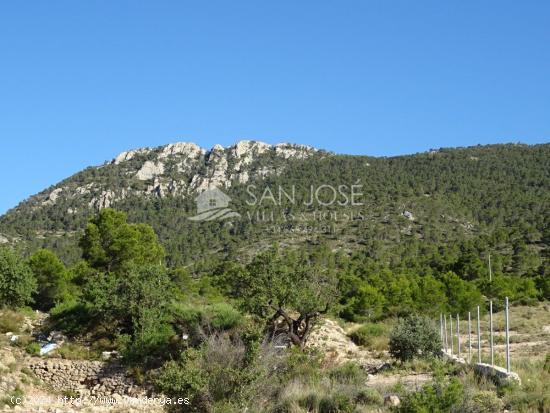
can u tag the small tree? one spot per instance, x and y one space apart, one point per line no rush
51 277
286 292
110 243
414 336
17 283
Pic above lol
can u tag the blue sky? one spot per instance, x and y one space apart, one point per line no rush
83 81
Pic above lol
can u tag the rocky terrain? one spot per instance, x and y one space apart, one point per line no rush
177 169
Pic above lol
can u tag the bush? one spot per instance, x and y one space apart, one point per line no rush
484 401
437 397
73 351
33 348
348 373
336 403
10 321
51 277
17 283
414 336
363 335
222 316
186 378
217 372
369 397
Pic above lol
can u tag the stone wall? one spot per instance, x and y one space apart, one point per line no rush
498 373
87 378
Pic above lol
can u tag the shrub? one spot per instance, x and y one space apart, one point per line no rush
10 321
484 401
33 348
51 277
186 377
17 283
335 403
363 335
223 317
73 351
414 336
370 397
348 373
436 397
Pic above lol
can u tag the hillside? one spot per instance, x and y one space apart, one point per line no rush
498 192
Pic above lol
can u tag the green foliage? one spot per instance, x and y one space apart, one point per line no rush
33 348
349 373
361 300
414 336
363 335
216 372
10 321
51 277
274 285
222 316
437 397
186 377
461 295
17 284
134 303
110 243
518 290
484 401
369 396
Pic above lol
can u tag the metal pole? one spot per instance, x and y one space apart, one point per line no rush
441 329
451 331
507 338
445 328
469 337
458 333
491 332
478 338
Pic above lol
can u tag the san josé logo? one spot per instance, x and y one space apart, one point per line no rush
213 204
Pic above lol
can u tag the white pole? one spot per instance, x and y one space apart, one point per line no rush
451 330
478 338
507 338
441 329
469 337
491 332
445 328
458 333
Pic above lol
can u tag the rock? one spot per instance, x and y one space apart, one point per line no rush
188 149
52 198
104 200
127 155
392 400
149 170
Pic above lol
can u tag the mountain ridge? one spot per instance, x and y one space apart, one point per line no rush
435 196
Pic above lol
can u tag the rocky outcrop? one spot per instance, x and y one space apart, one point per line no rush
149 170
52 197
177 169
93 378
127 155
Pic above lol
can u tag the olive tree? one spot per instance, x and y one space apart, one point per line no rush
289 293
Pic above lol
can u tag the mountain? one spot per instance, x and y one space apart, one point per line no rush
299 195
